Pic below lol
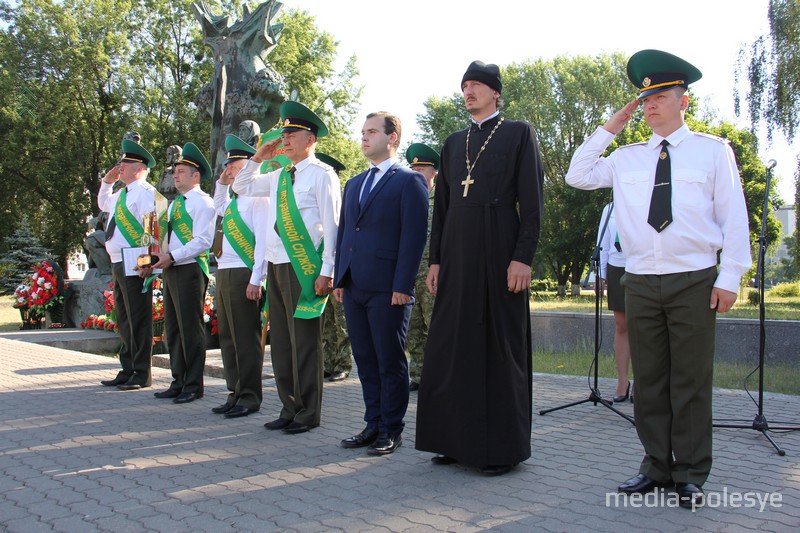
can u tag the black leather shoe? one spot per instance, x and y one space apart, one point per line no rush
385 444
640 484
496 470
414 386
624 397
186 397
238 411
222 409
296 427
169 393
443 460
365 438
119 380
326 375
132 386
690 496
278 423
339 376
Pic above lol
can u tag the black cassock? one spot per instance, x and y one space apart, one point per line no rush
475 397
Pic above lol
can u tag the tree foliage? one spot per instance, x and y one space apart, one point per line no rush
76 74
772 68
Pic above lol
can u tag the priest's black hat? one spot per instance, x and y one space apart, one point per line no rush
487 74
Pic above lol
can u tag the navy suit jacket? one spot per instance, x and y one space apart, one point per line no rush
380 247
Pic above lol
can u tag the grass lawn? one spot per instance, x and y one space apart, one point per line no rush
775 307
9 316
781 378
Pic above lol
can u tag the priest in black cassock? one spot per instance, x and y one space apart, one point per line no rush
475 399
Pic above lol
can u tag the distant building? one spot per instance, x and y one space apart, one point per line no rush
786 216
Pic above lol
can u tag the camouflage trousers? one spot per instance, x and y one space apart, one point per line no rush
336 352
418 326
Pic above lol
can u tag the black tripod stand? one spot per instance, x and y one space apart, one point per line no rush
760 421
594 392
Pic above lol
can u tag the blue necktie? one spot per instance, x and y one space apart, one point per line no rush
368 186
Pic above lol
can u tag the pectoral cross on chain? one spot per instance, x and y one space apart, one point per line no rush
466 183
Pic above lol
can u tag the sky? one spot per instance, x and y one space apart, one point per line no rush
411 50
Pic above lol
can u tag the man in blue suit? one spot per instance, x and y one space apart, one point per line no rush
382 233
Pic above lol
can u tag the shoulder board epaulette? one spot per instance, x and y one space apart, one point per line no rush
632 144
712 137
326 166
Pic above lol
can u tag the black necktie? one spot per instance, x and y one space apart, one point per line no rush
661 201
112 224
368 186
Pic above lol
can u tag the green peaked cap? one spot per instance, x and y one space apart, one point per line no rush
295 116
653 71
422 154
237 149
192 156
332 161
135 153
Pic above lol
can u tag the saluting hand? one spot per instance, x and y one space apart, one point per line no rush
617 122
112 175
266 151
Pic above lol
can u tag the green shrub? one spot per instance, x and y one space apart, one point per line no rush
543 285
785 289
753 298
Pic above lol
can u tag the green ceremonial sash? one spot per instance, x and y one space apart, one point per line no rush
127 224
306 261
240 237
182 226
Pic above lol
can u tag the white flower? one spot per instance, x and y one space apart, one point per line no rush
35 275
206 317
48 285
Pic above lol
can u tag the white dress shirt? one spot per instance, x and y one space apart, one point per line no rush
609 255
254 212
319 199
140 200
381 172
201 209
708 207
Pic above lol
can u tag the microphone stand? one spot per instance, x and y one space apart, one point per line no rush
760 423
594 392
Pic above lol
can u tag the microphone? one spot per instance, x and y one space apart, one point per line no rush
771 164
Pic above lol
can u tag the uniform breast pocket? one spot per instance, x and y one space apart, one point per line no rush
636 187
304 196
688 187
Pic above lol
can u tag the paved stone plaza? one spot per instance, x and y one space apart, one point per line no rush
79 457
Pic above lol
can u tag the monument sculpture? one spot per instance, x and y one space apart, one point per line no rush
166 183
95 245
244 86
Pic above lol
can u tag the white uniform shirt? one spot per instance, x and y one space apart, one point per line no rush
708 207
201 209
319 199
254 213
140 200
609 255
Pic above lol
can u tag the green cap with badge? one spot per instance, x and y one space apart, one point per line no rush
237 149
422 154
193 157
653 71
135 153
331 161
297 117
